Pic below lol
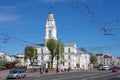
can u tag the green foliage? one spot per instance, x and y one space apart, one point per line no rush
51 45
35 54
30 53
59 49
56 49
93 59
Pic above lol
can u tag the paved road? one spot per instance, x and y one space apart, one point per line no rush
96 75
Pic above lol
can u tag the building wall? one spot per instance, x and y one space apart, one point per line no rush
107 60
6 58
69 49
84 61
71 58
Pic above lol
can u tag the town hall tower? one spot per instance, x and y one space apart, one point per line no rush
50 27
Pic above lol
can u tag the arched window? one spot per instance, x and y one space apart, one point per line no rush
49 33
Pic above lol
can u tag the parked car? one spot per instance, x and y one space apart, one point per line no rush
115 69
106 67
17 73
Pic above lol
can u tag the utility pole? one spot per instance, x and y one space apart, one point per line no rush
60 57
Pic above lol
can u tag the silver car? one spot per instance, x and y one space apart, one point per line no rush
19 73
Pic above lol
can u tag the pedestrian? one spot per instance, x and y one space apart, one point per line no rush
41 71
46 70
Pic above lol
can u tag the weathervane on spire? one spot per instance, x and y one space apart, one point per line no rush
51 8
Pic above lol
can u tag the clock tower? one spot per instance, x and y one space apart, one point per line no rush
50 27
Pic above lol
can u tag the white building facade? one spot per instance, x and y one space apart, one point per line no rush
6 58
71 57
107 60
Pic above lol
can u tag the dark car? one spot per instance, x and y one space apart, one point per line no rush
18 73
115 69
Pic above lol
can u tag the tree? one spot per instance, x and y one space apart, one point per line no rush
93 59
30 53
51 45
59 51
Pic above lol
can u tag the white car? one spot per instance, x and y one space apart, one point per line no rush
106 67
18 73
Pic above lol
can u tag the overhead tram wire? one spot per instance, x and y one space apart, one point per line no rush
103 48
16 38
72 3
108 30
20 40
85 11
80 6
91 13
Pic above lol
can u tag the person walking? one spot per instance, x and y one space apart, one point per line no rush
46 70
41 71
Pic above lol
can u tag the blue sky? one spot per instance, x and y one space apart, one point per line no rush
22 22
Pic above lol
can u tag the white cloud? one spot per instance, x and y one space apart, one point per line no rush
7 18
7 7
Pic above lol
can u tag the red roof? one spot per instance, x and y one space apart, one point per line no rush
107 56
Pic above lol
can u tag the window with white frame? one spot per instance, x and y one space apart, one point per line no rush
68 49
69 63
50 57
69 57
49 33
42 57
41 50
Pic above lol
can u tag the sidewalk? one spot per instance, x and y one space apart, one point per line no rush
3 74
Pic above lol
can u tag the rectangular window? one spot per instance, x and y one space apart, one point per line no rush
69 57
41 57
69 63
63 64
50 57
68 49
41 50
49 33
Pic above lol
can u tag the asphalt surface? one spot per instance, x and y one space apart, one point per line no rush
78 75
92 75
